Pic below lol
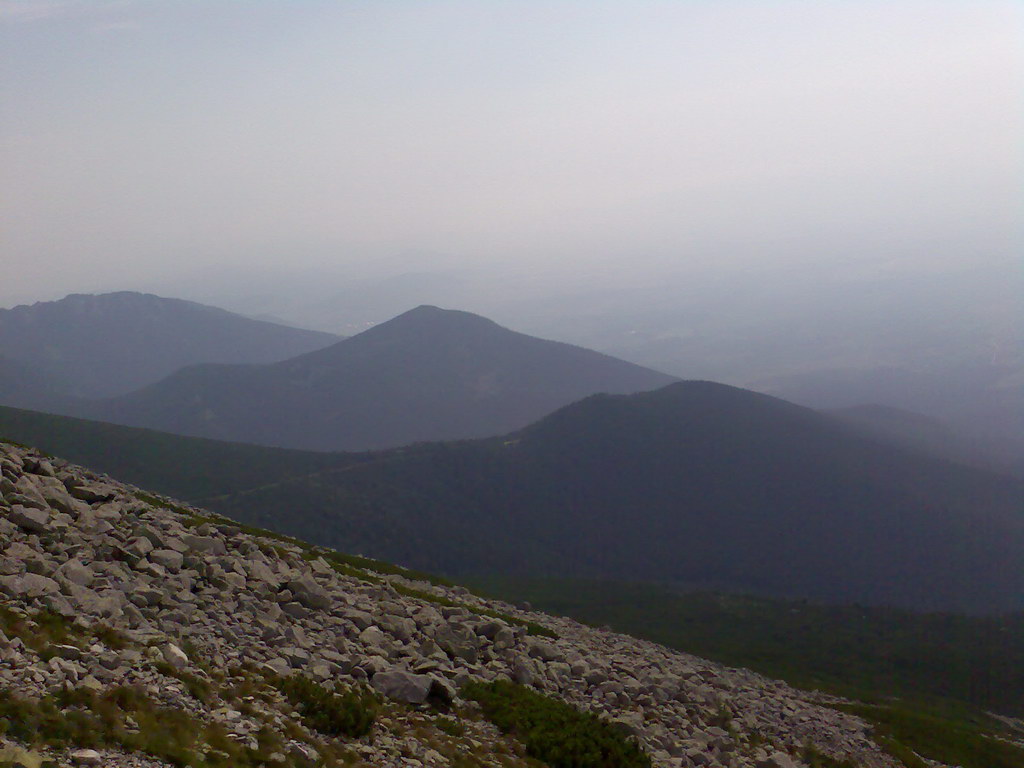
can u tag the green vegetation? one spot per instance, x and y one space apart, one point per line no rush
532 627
380 567
16 444
155 501
969 740
126 718
553 731
816 759
852 650
42 630
450 726
356 566
350 713
197 687
185 467
947 669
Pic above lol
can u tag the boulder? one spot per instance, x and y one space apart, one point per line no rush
86 757
28 585
93 493
778 760
167 558
403 686
205 544
34 520
174 656
76 572
310 594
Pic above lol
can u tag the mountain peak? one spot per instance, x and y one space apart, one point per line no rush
98 345
428 319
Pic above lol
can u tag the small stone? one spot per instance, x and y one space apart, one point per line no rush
86 757
174 656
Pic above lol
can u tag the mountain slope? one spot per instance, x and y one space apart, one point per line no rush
164 636
429 374
24 386
99 346
698 484
934 437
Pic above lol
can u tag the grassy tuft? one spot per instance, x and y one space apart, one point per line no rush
351 712
156 501
83 718
554 732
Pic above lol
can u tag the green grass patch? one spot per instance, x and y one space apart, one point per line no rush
16 444
855 651
350 712
43 629
197 687
380 567
966 742
815 758
156 501
125 718
553 731
532 627
450 726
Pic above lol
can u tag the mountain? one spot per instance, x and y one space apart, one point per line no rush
140 631
982 399
109 344
697 484
23 385
429 374
934 437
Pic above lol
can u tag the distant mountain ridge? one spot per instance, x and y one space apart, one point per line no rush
428 374
696 484
934 437
93 346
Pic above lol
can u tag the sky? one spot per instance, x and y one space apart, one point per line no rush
155 141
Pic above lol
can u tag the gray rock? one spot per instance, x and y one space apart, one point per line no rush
543 650
35 520
309 593
57 496
76 573
403 686
167 558
458 641
28 585
778 760
93 493
86 757
204 544
174 656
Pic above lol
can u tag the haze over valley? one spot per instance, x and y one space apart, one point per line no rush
353 355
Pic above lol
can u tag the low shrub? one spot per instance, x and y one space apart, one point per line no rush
83 718
351 712
554 732
906 733
815 758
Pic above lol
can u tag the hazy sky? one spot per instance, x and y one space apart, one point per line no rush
149 140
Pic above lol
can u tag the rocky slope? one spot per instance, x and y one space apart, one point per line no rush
140 632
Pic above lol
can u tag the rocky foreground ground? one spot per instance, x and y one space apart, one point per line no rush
137 631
